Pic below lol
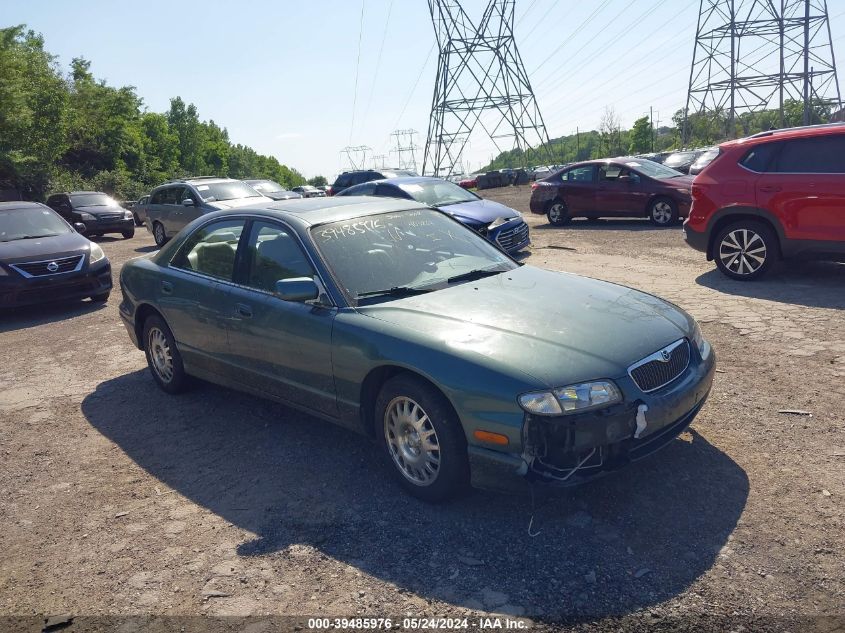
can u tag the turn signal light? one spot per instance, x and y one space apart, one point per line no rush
491 438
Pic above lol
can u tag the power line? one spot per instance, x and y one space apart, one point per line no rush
416 83
357 67
526 12
378 65
583 25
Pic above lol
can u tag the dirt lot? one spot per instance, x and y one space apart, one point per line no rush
116 498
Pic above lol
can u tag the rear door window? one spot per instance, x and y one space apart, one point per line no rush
819 155
211 249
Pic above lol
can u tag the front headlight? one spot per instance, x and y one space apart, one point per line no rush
698 340
127 215
498 222
87 217
571 399
96 253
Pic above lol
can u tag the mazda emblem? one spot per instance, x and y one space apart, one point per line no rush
52 267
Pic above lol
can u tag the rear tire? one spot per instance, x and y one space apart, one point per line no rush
163 357
159 235
558 213
422 439
746 250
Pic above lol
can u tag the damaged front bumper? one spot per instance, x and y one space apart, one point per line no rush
572 449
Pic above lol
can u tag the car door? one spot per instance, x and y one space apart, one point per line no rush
281 347
578 188
611 193
188 214
171 215
192 295
60 203
804 186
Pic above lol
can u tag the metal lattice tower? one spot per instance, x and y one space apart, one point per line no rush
405 144
480 72
758 54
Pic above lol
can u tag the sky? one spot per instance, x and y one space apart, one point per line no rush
280 75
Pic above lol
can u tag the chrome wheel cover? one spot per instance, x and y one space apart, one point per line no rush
161 357
412 441
742 252
661 212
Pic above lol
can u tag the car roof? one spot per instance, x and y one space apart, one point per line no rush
74 193
402 180
308 212
789 133
20 204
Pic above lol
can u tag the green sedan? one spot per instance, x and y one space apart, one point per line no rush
397 321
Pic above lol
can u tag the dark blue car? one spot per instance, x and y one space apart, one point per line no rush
498 223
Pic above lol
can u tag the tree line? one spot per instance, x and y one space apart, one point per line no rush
64 132
695 131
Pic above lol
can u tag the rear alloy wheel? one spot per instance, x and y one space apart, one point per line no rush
558 213
158 234
663 212
163 356
745 250
422 438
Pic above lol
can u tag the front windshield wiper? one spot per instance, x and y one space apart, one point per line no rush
30 237
396 291
472 275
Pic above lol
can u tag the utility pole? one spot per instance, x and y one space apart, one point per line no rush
481 82
784 35
405 144
651 124
577 144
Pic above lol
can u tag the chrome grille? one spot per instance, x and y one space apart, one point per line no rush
109 217
513 237
49 266
662 367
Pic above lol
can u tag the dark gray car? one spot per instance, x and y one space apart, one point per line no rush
178 203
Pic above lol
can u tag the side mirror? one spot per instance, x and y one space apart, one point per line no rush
79 227
298 289
187 202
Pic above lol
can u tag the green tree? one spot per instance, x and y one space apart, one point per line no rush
318 181
641 136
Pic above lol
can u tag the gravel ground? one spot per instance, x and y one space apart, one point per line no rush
117 499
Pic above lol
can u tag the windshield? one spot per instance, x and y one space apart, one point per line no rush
679 158
21 224
92 200
437 193
267 186
220 191
707 157
417 250
652 169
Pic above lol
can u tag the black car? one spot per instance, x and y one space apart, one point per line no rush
350 178
272 189
43 258
98 211
682 161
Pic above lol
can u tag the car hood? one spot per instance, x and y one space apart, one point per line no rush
679 182
43 248
556 327
238 202
97 210
484 211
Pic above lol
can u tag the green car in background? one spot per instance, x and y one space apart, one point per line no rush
397 321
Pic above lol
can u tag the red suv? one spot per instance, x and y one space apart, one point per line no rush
774 195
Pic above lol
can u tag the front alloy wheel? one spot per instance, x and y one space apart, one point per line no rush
422 438
745 250
412 441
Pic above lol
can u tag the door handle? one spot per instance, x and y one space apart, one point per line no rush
166 287
243 310
770 189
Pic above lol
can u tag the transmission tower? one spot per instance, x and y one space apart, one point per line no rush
405 144
752 55
480 72
356 157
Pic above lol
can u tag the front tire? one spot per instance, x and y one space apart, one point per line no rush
137 219
746 250
663 212
163 357
128 234
159 235
422 439
101 298
558 213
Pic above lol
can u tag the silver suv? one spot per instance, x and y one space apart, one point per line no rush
177 203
